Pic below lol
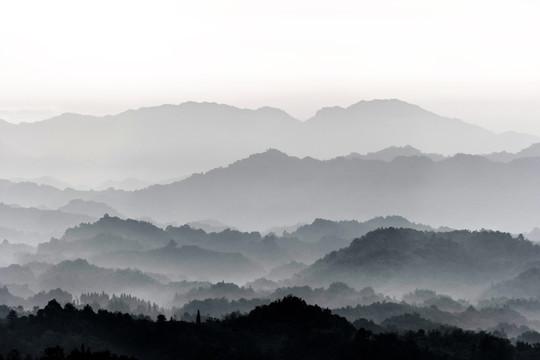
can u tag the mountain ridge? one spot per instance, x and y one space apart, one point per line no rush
171 140
269 188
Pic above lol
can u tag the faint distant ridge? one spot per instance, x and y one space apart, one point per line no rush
209 225
534 235
529 152
46 180
525 285
272 188
384 123
463 191
89 208
393 152
32 225
375 109
174 140
128 184
320 229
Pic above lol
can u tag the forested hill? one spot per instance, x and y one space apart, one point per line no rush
285 329
125 236
440 260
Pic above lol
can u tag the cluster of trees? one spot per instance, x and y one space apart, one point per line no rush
37 300
402 317
58 353
452 261
124 303
222 298
284 329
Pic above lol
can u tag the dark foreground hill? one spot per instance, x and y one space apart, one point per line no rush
285 329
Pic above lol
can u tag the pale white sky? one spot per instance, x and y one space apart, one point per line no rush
475 60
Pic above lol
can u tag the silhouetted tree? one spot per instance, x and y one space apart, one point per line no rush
11 318
198 319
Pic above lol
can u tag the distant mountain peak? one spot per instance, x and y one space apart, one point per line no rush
270 154
272 110
65 117
204 107
173 141
329 110
384 102
374 108
393 152
388 107
531 151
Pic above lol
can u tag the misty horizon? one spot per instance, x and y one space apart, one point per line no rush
282 180
26 115
56 147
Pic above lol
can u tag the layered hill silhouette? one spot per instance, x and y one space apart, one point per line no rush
89 208
194 253
455 261
529 152
32 225
392 152
169 141
273 188
526 285
79 276
113 242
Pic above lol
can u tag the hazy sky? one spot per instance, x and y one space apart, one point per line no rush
475 60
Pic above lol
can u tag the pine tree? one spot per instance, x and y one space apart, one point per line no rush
198 319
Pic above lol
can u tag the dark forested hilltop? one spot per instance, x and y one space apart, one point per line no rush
284 329
440 260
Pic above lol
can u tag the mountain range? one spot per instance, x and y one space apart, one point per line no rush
171 141
112 241
273 188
